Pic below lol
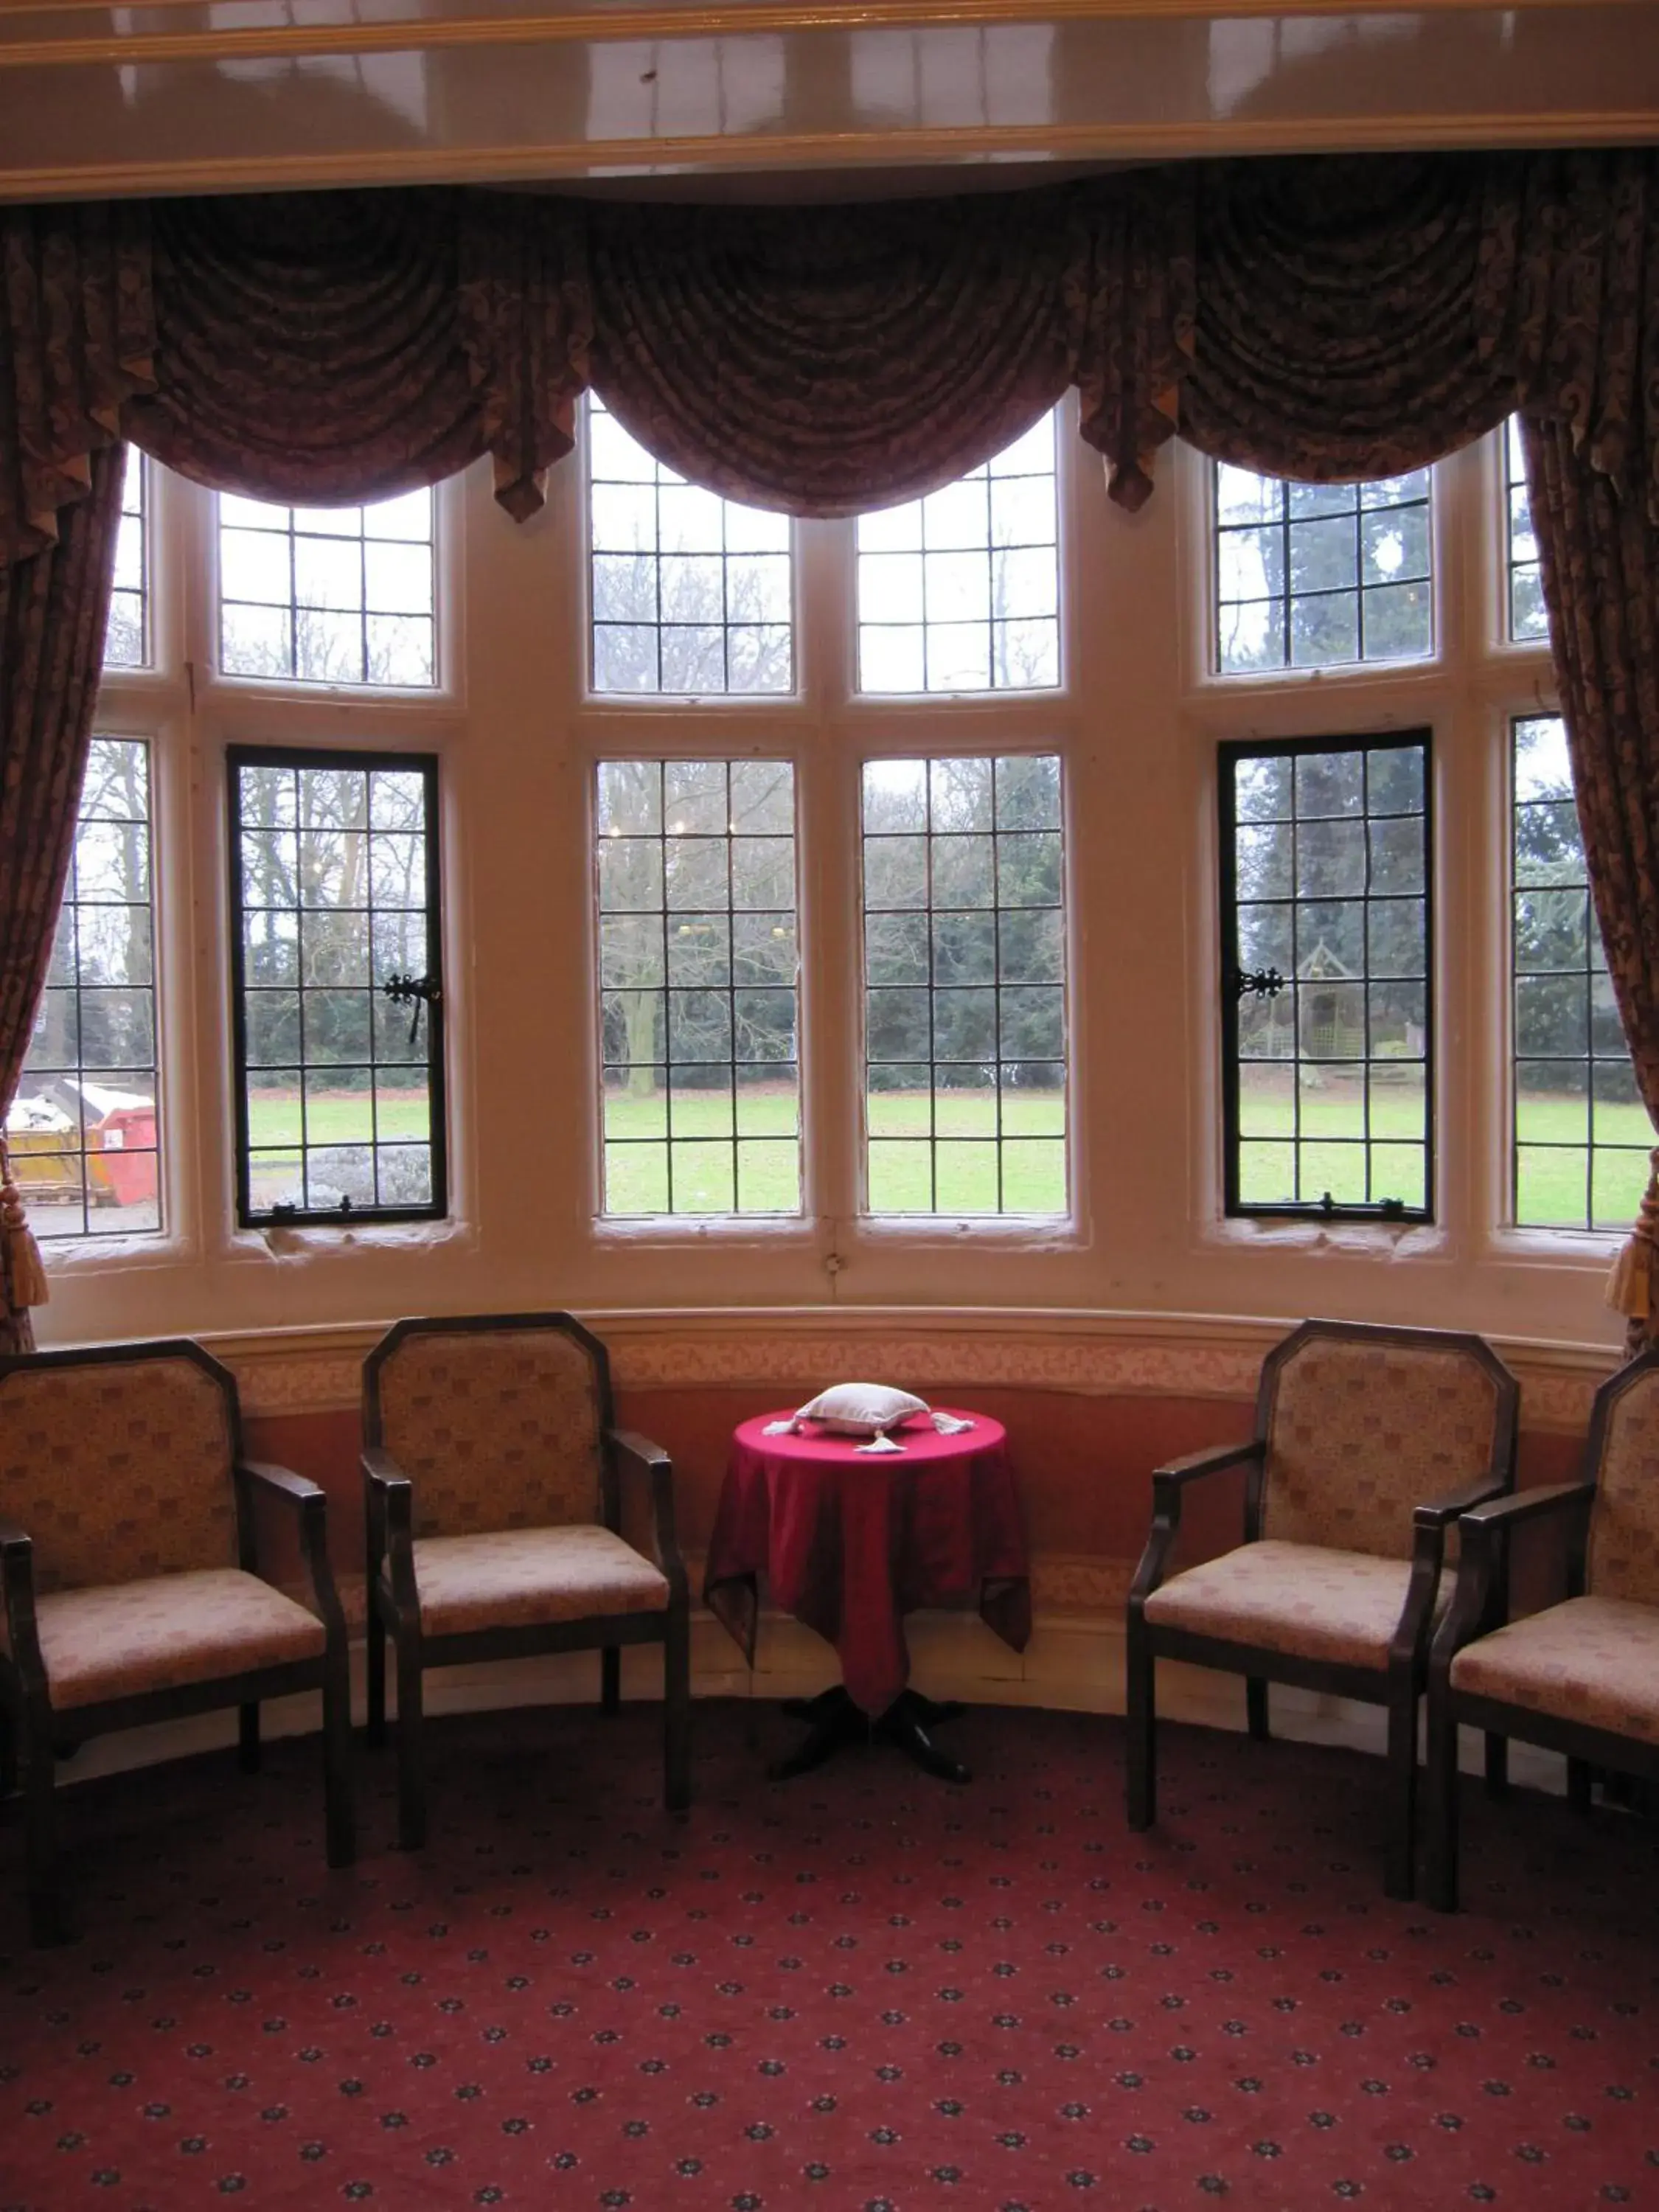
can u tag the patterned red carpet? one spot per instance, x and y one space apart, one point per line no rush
861 1990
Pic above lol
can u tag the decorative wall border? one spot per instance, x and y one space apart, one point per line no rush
299 1371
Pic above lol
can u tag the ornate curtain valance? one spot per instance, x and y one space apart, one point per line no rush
1324 317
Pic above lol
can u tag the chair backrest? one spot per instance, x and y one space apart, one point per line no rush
496 1418
1622 1552
1363 1423
118 1462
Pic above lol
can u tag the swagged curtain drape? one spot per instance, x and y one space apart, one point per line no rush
1328 318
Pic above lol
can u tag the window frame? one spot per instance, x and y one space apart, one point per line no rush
736 1219
1514 1058
204 613
992 748
426 765
86 1244
1199 595
1392 1215
783 703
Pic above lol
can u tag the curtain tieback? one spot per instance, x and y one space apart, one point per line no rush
1631 1284
26 1281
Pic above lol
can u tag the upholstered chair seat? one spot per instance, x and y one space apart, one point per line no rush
1593 1660
1369 1442
130 1558
1582 1676
513 1576
1305 1601
125 1639
493 1473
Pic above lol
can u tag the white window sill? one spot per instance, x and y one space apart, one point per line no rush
1035 1231
681 1229
149 1247
1587 1251
1391 1240
286 1240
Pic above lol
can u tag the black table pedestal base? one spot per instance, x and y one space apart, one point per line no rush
833 1719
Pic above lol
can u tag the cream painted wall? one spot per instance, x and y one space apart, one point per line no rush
1138 726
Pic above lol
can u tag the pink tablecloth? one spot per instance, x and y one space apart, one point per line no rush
850 1542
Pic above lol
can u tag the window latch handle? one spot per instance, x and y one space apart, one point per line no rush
413 991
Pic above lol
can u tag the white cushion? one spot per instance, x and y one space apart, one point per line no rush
861 1409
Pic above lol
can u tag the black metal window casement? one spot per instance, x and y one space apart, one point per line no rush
336 998
1327 962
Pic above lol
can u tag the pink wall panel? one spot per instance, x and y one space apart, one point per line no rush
1084 1464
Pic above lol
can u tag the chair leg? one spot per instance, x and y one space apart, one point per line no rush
1440 1866
374 1656
247 1738
1400 1868
1255 1710
1497 1765
1579 1771
47 1922
676 1711
8 1753
340 1812
609 1678
411 1769
1140 1723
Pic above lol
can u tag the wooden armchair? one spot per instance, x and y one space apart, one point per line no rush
132 1591
493 1471
1369 1442
1580 1677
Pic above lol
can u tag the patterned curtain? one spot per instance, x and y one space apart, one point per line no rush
1334 318
1600 555
817 360
53 610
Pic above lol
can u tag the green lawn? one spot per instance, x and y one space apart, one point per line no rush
341 1117
1033 1152
1553 1139
1553 1162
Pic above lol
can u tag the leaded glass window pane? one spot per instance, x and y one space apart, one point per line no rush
329 594
960 591
1581 1135
83 1132
699 1001
964 966
1327 977
691 592
1317 575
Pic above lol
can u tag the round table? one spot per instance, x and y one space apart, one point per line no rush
850 1541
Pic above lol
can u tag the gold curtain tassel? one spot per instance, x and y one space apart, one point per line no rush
1630 1284
26 1281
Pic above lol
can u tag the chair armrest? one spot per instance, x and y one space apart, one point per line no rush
381 1468
1437 1511
627 1447
309 1501
1411 1642
1479 1601
1168 1483
17 1598
640 1450
281 1481
389 1497
1527 1505
1193 1466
